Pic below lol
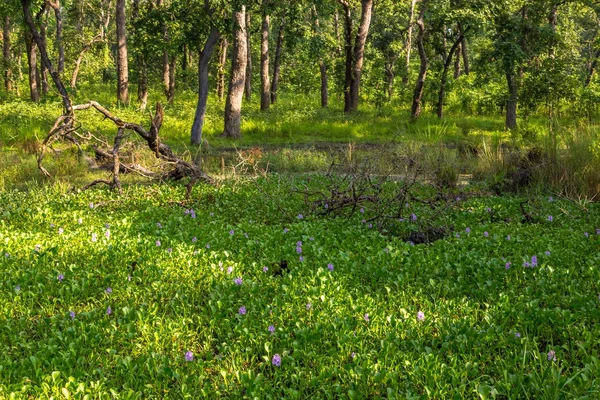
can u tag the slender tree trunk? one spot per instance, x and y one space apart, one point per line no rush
43 21
233 106
418 93
592 68
79 60
248 83
511 103
324 90
553 22
34 93
277 62
184 60
359 52
203 60
464 50
265 96
6 67
142 93
172 68
221 68
55 5
457 70
165 56
45 58
348 51
336 28
408 44
444 77
390 73
122 63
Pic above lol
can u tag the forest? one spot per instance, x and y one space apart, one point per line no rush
299 198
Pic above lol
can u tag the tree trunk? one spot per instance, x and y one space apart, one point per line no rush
418 93
265 95
464 50
221 69
84 50
408 44
511 103
553 22
55 5
348 51
233 106
143 83
457 70
122 65
359 52
34 93
184 60
172 68
43 21
165 56
444 77
203 60
248 82
6 67
336 28
324 90
45 59
277 62
390 73
592 68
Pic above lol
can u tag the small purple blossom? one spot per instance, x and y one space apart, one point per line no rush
300 216
17 288
94 237
488 209
364 221
550 199
370 225
159 225
107 234
299 250
108 311
551 355
242 310
366 317
534 261
301 258
362 210
207 246
353 355
587 235
189 356
238 281
285 230
517 335
38 247
72 314
108 290
597 231
486 234
326 206
129 278
158 243
51 225
457 235
194 239
265 269
276 361
547 252
526 264
92 205
308 306
413 217
271 329
507 266
229 269
550 218
107 226
231 232
299 243
61 231
508 237
80 221
61 277
169 250
468 230
421 316
330 267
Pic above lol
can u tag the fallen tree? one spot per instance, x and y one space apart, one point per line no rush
67 127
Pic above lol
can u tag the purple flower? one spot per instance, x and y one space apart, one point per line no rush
192 213
300 216
330 267
38 247
586 234
366 317
311 238
413 217
107 234
169 250
72 314
194 239
362 210
547 252
308 306
265 269
517 335
488 209
189 356
61 277
550 199
370 225
534 261
94 237
285 230
486 234
186 211
107 226
231 232
276 361
421 316
550 218
457 235
108 290
17 288
301 258
108 311
207 246
51 225
299 250
238 281
597 231
271 329
508 237
159 225
526 264
229 269
326 206
61 231
299 243
353 355
91 205
468 230
158 243
551 355
364 221
242 310
507 266
129 278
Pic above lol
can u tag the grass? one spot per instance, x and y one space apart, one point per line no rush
350 332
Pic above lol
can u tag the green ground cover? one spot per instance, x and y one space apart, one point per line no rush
134 296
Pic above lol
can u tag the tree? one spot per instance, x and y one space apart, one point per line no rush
265 84
122 64
420 85
233 106
6 56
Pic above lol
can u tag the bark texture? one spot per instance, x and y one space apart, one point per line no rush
420 85
221 68
265 83
248 82
6 57
408 44
359 51
34 93
511 102
444 77
277 62
233 106
122 64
